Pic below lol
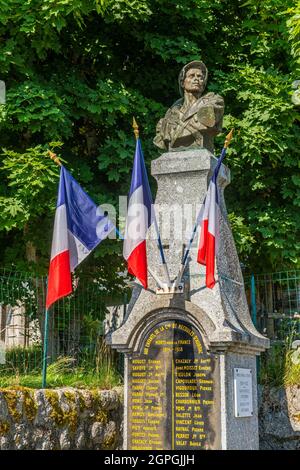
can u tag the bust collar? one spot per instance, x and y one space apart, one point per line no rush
193 109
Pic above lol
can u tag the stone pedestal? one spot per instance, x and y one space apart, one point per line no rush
190 358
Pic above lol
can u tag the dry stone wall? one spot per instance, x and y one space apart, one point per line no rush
69 418
279 418
61 419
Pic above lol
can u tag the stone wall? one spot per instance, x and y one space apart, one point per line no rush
61 419
92 419
279 418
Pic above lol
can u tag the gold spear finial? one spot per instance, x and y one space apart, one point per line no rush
228 138
54 157
135 128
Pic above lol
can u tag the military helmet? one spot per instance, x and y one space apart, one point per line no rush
195 64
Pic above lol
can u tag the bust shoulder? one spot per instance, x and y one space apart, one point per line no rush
177 104
174 109
213 98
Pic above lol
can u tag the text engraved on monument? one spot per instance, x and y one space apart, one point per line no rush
173 397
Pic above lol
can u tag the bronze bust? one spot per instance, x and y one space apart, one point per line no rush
193 120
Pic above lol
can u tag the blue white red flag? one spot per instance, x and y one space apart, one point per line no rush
79 227
139 218
208 219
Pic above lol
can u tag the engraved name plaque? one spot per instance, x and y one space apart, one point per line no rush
173 393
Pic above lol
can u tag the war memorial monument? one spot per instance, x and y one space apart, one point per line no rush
190 353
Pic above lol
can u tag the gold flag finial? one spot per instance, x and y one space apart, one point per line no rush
135 128
228 138
54 157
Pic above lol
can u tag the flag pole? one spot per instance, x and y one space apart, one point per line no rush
55 158
186 253
159 242
45 349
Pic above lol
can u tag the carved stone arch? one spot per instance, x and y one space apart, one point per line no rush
132 334
156 317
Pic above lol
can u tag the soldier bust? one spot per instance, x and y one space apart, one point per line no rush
193 120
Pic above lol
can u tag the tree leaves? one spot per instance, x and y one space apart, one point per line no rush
293 24
77 71
32 178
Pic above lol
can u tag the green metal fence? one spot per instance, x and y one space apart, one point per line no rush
275 303
76 322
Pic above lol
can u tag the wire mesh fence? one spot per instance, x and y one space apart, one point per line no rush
276 303
275 307
76 323
76 326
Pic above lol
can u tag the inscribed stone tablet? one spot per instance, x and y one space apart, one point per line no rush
173 391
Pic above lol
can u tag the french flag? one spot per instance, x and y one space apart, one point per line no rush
139 218
79 227
209 221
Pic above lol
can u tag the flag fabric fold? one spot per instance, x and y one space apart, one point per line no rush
79 227
208 220
139 219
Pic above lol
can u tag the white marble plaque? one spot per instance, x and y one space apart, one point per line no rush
243 400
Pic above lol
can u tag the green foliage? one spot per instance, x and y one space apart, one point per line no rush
277 367
292 370
31 178
243 237
120 10
40 106
272 366
263 161
77 71
21 361
293 24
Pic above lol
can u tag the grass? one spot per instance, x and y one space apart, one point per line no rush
277 368
278 365
292 370
63 373
272 366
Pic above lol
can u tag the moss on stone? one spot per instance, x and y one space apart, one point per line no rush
70 396
94 397
89 400
13 395
109 442
57 413
29 405
60 417
76 402
11 398
101 417
71 419
4 427
82 403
